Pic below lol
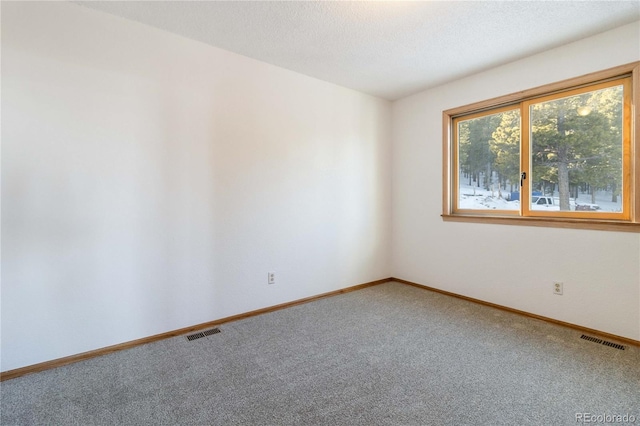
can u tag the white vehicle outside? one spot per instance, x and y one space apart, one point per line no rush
543 202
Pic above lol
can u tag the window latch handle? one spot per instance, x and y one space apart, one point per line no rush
523 176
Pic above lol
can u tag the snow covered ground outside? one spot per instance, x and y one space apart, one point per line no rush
472 197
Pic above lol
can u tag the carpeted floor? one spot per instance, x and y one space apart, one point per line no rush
385 355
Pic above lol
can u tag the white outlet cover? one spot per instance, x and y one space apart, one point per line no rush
558 288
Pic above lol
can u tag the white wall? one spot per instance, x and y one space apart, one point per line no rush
512 266
150 182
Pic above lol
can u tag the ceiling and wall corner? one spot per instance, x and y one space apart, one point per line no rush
389 49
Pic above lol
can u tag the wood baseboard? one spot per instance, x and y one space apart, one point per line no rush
608 336
12 374
47 365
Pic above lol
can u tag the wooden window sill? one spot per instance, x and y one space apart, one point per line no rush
598 225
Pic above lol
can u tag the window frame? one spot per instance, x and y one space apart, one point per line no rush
520 100
455 166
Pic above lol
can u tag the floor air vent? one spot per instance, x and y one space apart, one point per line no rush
591 339
195 336
613 345
203 334
602 342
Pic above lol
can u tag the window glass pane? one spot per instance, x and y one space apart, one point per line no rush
489 162
576 152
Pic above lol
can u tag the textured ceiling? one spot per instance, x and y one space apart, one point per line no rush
387 49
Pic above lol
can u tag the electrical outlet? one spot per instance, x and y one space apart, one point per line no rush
557 288
271 277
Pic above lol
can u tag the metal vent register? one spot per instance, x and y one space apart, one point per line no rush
201 334
602 342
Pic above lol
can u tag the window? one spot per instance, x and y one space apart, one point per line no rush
560 155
